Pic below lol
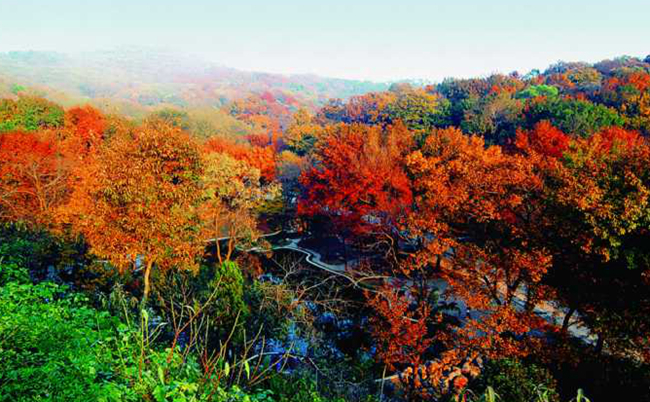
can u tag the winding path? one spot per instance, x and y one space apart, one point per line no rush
550 311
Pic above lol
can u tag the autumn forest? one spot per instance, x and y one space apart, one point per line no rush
230 236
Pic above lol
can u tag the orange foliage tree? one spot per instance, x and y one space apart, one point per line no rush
233 195
136 200
32 178
302 133
543 139
262 158
358 180
475 217
399 327
367 109
86 121
84 127
629 92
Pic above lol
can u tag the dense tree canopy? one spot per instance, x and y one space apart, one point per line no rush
473 233
358 180
135 202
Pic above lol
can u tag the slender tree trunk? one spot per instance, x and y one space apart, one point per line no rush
147 285
231 247
600 343
529 306
567 319
394 245
219 252
216 233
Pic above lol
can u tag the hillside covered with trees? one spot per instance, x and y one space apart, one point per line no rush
136 80
252 237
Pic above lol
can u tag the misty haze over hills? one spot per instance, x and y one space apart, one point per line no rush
151 78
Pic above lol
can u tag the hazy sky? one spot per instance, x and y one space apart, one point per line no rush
370 39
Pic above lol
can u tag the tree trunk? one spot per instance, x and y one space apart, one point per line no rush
219 251
567 319
599 344
528 307
231 247
216 235
147 285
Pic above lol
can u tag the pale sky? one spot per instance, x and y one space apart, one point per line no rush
361 39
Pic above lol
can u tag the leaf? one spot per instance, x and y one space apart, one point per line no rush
161 375
159 393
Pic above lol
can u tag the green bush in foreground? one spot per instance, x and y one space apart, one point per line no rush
515 381
54 347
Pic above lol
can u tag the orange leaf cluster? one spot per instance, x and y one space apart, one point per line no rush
401 331
543 139
262 158
474 207
359 178
32 180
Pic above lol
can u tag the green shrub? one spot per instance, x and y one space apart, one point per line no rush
296 389
55 347
10 271
230 294
515 381
40 252
49 344
29 114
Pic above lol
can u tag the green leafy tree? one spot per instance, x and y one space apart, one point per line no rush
535 91
29 114
576 117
